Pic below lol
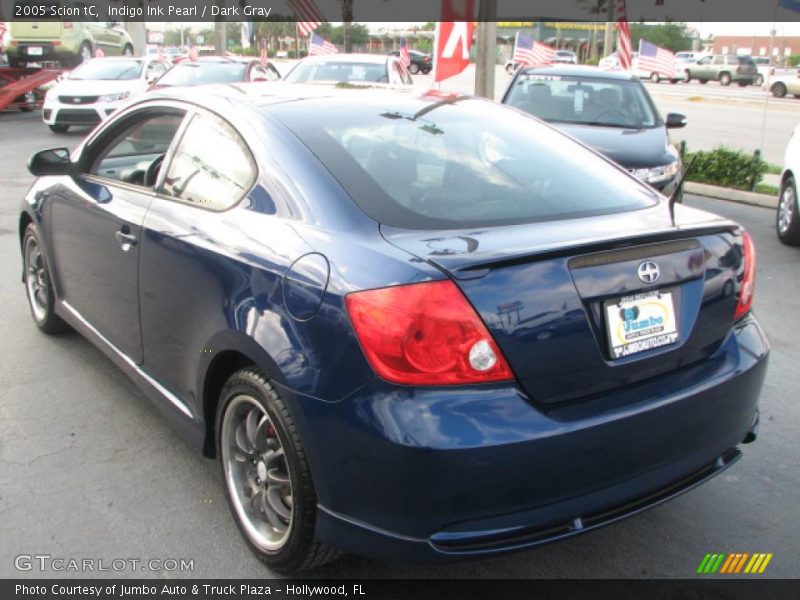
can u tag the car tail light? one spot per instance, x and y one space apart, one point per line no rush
67 24
14 42
426 59
425 334
56 42
748 278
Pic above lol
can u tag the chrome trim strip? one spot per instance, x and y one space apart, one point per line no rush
160 388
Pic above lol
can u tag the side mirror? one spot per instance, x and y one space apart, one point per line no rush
676 121
55 161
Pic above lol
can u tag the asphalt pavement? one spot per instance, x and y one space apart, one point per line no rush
90 469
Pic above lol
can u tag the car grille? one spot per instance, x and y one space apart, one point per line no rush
77 117
78 99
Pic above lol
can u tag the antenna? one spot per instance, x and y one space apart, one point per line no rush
677 190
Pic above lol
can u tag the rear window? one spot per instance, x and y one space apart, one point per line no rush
428 165
198 73
310 70
746 60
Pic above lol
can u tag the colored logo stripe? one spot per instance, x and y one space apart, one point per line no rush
734 563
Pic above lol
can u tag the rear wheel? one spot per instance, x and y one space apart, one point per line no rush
687 75
510 68
84 53
703 81
267 478
655 77
13 61
725 78
38 285
778 89
128 50
759 80
59 128
743 83
788 221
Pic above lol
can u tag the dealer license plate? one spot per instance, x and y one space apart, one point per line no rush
640 322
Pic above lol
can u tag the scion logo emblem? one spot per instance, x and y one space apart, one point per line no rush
649 271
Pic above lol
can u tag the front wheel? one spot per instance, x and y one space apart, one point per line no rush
725 79
759 80
703 81
778 90
38 286
687 75
267 478
128 50
84 54
413 69
743 83
510 68
655 77
787 220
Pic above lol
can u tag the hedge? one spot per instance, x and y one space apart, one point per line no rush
725 167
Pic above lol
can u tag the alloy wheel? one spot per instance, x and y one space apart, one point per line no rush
36 281
257 473
786 209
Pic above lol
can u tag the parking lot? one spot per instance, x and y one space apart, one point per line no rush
90 469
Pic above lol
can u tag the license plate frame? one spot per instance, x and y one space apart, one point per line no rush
35 51
652 322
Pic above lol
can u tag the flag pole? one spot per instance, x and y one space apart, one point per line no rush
436 55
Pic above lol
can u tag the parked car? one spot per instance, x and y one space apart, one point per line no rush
611 62
356 69
787 222
217 69
420 62
608 110
561 56
765 69
783 82
92 92
67 42
687 57
724 68
339 294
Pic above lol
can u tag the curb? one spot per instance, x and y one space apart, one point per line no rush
742 197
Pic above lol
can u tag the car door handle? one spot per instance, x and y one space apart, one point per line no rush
126 239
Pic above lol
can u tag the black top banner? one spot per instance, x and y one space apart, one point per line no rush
399 10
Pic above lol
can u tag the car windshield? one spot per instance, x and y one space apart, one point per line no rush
598 101
108 69
198 73
422 164
340 72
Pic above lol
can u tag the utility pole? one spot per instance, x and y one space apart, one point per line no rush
137 30
485 52
609 39
220 30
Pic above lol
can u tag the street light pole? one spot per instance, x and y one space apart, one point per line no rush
609 39
485 52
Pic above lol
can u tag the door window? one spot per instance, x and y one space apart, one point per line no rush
133 149
719 60
212 166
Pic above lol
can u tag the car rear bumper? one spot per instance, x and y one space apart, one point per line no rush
420 475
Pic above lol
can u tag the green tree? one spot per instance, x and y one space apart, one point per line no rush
672 36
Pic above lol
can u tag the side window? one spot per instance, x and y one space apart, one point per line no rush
212 166
155 70
704 61
263 73
134 149
719 60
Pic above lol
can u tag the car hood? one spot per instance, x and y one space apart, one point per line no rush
631 148
93 87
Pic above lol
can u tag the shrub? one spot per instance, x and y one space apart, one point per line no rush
727 168
794 60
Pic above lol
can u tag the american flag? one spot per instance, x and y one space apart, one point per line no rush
319 45
624 36
307 13
193 54
527 52
405 57
99 53
653 59
264 55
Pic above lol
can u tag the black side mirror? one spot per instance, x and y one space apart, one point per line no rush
676 121
54 161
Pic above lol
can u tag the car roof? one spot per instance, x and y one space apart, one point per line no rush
378 59
578 71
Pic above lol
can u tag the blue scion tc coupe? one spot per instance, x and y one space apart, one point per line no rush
412 327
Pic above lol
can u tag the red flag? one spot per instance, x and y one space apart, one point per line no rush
264 55
193 55
2 33
405 57
308 15
453 41
624 36
99 53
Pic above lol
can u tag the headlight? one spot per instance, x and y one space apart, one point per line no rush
114 97
657 174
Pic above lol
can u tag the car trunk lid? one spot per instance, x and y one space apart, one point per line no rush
24 31
551 293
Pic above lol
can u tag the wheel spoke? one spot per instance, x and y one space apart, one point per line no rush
275 503
241 439
276 478
251 424
273 455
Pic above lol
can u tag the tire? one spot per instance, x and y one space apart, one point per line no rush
744 83
127 50
269 450
38 285
59 128
687 75
30 100
759 80
703 81
413 68
15 62
778 89
787 219
725 79
655 77
85 53
510 68
426 71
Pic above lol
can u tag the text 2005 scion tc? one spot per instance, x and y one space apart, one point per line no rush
411 327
